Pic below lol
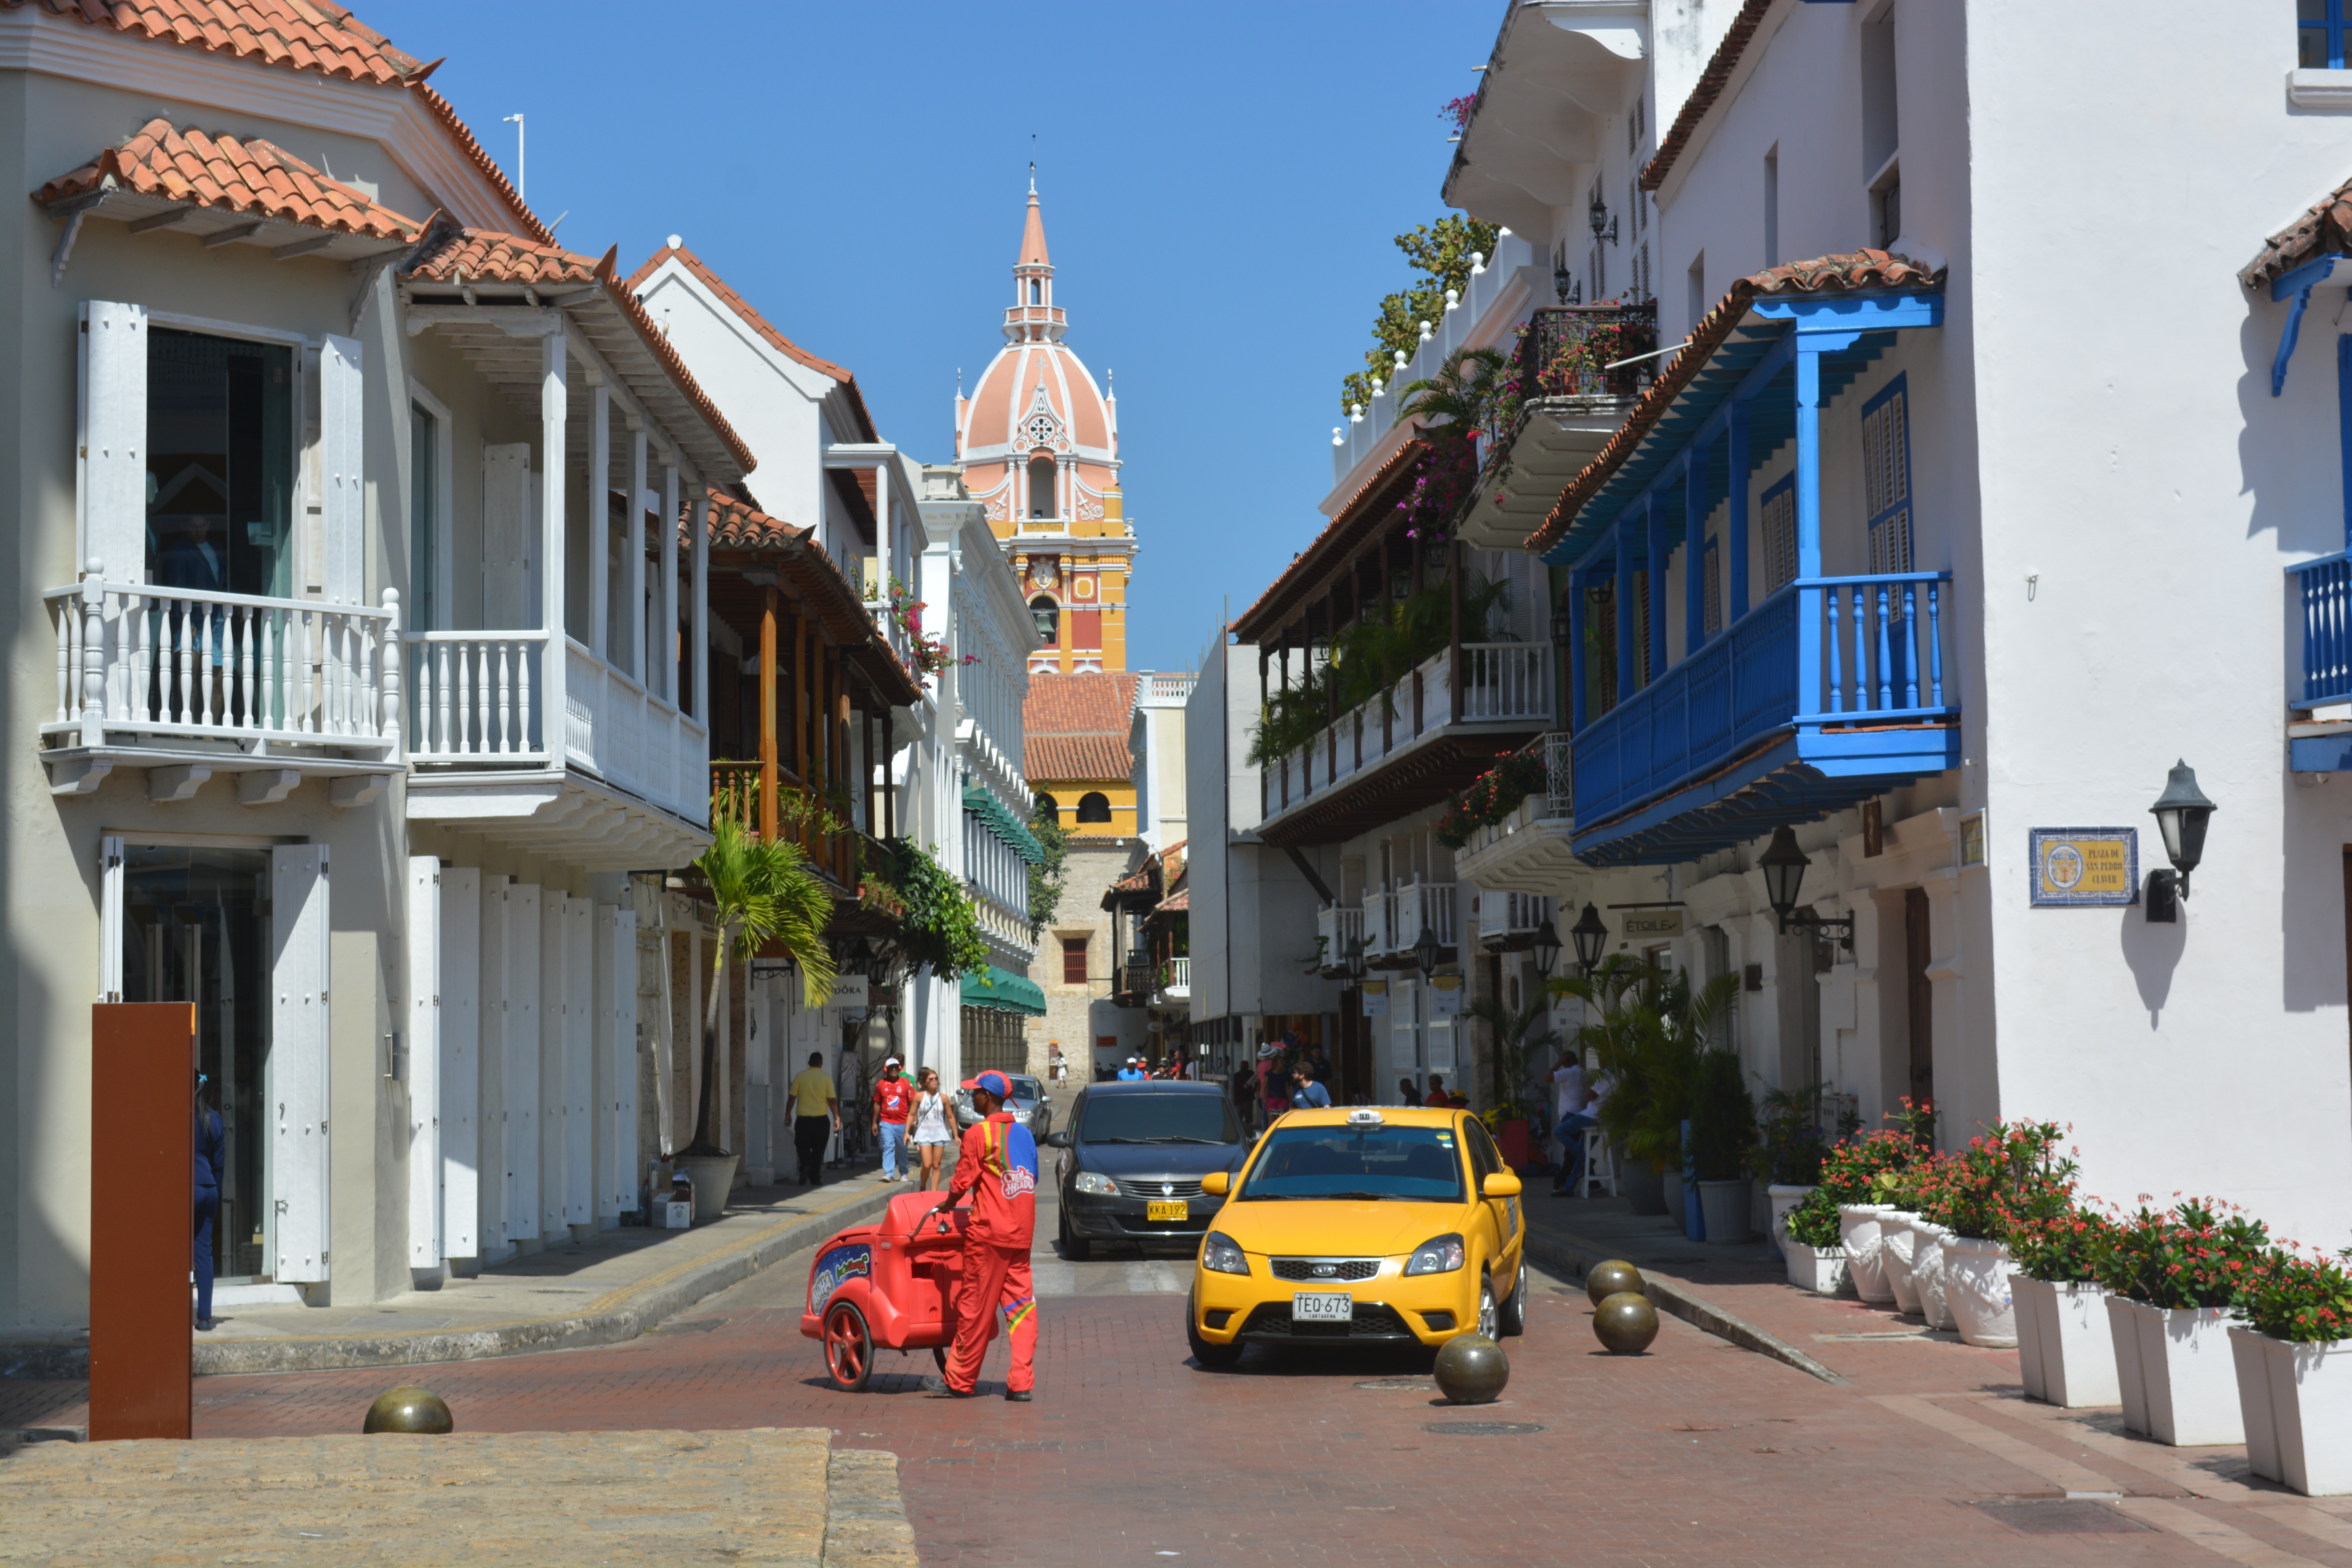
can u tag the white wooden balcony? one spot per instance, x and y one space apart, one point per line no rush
1338 928
1395 920
1530 851
1176 981
1509 919
184 683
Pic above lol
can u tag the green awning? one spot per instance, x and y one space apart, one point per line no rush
1004 990
1005 826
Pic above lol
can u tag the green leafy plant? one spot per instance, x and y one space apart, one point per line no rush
2005 1180
2307 1300
1514 1034
932 918
2201 1253
1649 1028
2063 1247
1722 1116
1850 1169
1046 879
1439 254
763 893
1814 1220
1790 1143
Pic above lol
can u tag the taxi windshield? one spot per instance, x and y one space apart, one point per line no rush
1409 1164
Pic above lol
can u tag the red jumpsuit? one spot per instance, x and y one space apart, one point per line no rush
998 1166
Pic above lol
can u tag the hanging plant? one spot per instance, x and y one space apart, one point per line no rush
931 911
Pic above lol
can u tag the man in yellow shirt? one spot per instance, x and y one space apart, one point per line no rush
815 1111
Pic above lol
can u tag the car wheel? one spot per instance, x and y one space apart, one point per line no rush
1486 1313
1073 1249
1212 1356
848 1347
1511 1319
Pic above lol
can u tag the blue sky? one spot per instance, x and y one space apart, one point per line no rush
1219 181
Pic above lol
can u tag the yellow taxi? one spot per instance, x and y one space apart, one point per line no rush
1360 1225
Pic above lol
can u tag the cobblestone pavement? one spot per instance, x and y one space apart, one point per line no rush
1698 1453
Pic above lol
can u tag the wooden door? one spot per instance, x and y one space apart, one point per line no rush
1922 1088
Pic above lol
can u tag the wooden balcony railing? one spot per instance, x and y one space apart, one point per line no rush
735 789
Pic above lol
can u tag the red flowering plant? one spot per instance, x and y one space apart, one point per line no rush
2307 1300
2064 1247
2201 1253
925 656
1579 367
1490 797
1850 1172
2012 1176
1457 109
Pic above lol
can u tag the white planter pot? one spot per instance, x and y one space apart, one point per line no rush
1865 1250
2175 1372
2064 1345
1977 1274
1927 1272
2297 1402
1821 1270
1896 1254
1782 1200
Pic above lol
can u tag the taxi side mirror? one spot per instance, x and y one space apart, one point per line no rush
1500 1184
1215 1184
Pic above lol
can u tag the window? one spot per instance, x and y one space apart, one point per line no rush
1781 535
220 464
1093 807
1041 488
421 612
2319 34
1037 292
1637 287
1880 118
1772 206
1697 288
1074 961
1633 127
1048 808
1886 478
1046 615
1886 211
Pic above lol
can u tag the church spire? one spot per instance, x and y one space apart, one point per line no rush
1034 318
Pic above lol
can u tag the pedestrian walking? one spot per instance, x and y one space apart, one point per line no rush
1406 1093
1306 1094
814 1112
210 1148
931 1137
998 1166
1246 1094
1133 1071
894 1099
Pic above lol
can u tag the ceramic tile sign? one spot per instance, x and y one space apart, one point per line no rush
1446 996
1376 999
2083 866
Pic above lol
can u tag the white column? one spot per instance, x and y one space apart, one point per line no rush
553 396
885 563
702 608
666 643
600 519
636 579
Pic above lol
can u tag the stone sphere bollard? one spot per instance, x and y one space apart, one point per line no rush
409 1409
1625 1323
1472 1370
1611 1278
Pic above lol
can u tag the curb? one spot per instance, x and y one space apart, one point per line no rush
1578 1255
618 1315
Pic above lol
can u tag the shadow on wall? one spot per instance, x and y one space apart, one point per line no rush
2153 950
2316 897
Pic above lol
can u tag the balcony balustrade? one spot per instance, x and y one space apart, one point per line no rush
1340 927
1176 979
736 791
1511 920
2324 591
1507 683
1394 919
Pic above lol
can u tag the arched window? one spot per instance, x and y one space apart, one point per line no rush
1046 806
1036 295
1041 488
1093 807
1047 618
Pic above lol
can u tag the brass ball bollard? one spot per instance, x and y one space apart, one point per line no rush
1625 1323
1472 1370
409 1409
1611 1278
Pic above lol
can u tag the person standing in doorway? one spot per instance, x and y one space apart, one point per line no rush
210 1148
815 1114
931 1127
998 1166
894 1099
1570 1120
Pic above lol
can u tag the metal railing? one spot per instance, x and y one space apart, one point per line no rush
2323 588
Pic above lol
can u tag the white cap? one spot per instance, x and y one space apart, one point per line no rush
889 1061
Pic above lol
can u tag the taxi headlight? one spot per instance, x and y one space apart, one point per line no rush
1221 1254
1439 1255
1092 1182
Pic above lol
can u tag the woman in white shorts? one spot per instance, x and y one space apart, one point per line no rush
931 1135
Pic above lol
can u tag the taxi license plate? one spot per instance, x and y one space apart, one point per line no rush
1162 1213
1322 1306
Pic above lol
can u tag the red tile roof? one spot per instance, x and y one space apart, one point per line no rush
300 34
2322 230
758 323
1822 275
245 175
486 256
1364 515
737 525
1074 728
527 222
1175 903
1703 94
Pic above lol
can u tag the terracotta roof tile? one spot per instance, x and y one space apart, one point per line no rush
758 323
1358 519
2324 229
298 35
737 524
1822 275
486 256
442 110
1706 91
245 175
1074 727
1176 903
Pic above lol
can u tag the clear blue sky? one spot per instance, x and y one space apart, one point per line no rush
1221 182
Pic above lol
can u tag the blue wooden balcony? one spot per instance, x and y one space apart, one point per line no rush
2323 596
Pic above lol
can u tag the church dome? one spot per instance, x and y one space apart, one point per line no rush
1036 398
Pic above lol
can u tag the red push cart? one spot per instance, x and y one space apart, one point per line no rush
890 1285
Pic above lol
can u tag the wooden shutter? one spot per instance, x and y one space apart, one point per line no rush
342 470
509 536
461 1060
578 1062
296 1091
554 950
425 1062
111 463
522 1062
490 1159
616 1062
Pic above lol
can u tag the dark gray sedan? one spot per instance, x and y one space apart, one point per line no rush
1132 1158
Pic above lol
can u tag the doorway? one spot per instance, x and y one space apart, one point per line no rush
196 928
1922 998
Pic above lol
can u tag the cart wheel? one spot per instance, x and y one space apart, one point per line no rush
848 1347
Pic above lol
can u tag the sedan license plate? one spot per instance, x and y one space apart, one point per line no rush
1173 1211
1322 1306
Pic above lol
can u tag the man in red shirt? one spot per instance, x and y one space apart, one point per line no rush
998 1166
894 1097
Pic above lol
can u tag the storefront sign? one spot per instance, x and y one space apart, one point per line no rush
2093 865
1651 925
1376 999
848 991
1446 996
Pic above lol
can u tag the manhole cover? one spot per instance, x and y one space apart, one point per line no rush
1383 1384
1483 1429
2054 1516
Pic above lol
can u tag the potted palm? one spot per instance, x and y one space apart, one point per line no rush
2173 1280
2293 1362
1514 1034
763 894
2063 1347
1650 1026
1723 1140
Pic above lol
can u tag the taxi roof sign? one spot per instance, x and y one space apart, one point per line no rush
1364 1116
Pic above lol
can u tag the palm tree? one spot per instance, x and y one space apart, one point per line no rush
1651 1030
764 892
1515 1034
1460 398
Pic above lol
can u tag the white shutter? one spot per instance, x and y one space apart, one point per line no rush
109 919
425 1062
461 1062
491 1163
554 950
522 1062
110 497
508 536
580 987
297 1062
620 1119
342 476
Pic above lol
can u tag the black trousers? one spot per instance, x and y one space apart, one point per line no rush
207 1218
809 1134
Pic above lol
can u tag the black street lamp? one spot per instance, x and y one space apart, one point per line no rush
1354 960
1564 283
1591 934
1547 945
1784 865
1604 226
2181 812
1424 952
